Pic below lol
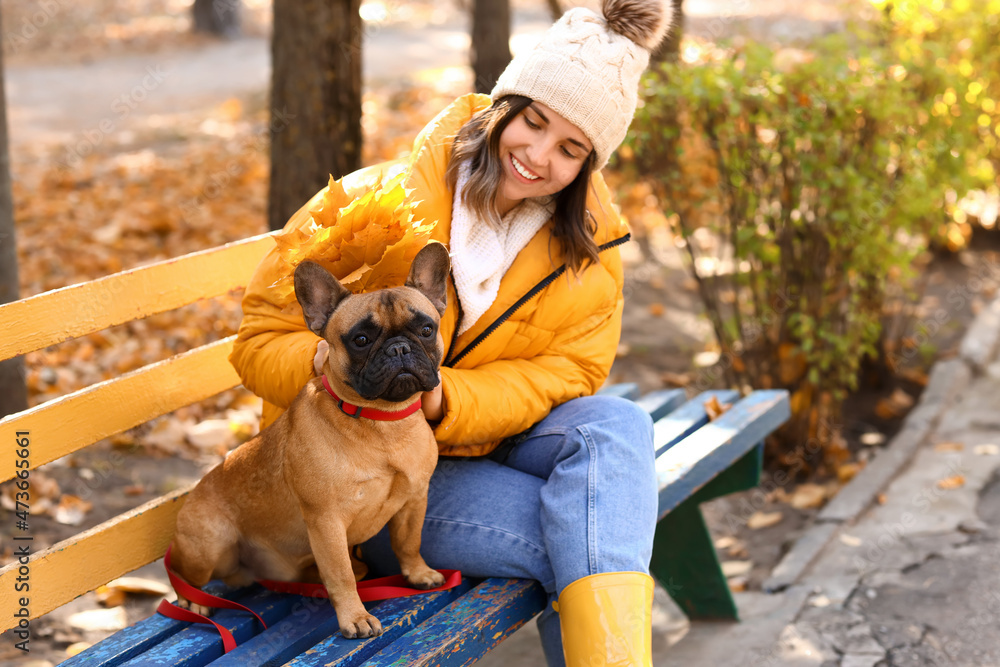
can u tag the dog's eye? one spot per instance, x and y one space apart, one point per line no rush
427 331
361 340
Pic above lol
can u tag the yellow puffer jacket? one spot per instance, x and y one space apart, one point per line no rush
549 337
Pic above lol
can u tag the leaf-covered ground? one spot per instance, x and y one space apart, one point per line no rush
197 182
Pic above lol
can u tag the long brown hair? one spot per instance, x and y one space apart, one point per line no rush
478 142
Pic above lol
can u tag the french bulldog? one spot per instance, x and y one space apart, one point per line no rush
291 503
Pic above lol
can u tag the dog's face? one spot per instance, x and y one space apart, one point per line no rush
383 345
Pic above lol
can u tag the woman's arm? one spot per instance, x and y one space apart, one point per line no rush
274 349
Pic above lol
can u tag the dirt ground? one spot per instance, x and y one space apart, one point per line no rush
665 334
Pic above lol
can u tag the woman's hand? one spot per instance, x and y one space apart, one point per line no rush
322 350
432 403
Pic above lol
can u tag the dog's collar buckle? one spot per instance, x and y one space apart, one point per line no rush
340 404
370 413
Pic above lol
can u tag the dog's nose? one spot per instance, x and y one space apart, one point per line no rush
397 349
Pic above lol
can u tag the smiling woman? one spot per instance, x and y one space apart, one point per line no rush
537 473
543 153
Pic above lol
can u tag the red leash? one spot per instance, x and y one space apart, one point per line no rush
383 588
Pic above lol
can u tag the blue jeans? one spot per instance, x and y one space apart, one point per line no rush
576 497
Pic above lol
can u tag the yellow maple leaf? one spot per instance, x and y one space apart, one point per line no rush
364 242
394 266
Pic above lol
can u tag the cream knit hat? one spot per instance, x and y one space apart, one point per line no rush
587 67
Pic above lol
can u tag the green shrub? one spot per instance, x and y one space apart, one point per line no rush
802 185
949 50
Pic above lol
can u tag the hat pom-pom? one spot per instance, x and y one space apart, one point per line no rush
645 22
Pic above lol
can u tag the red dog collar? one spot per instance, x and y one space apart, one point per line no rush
370 413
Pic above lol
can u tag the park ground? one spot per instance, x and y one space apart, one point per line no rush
119 119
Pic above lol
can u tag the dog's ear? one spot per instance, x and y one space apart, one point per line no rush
429 274
319 293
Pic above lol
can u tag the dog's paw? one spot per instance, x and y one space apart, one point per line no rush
184 603
425 579
360 626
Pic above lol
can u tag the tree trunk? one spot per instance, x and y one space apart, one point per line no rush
490 51
555 9
670 47
13 394
218 17
315 100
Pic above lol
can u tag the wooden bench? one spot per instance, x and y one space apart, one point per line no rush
697 460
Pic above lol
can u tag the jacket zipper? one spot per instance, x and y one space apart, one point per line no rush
520 302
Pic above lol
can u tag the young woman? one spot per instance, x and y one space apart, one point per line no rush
538 478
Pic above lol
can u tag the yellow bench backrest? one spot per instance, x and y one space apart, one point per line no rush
69 423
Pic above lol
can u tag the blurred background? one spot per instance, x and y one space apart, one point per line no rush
812 187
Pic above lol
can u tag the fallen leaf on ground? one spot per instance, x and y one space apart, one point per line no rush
675 379
736 568
872 439
953 482
139 585
881 499
949 447
895 406
725 542
167 435
106 620
110 597
760 520
914 375
986 450
657 309
706 359
212 434
134 490
122 440
850 540
847 471
779 495
738 584
71 510
807 496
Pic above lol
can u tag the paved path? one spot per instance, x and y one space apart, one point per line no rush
72 103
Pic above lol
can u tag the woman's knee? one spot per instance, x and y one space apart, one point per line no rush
616 422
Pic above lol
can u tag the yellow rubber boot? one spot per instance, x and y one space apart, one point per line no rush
607 620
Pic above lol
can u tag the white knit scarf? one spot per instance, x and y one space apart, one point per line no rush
481 255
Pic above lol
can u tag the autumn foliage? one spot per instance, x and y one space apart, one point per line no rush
804 186
367 243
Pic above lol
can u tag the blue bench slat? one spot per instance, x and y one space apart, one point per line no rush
309 621
315 634
693 462
661 403
198 644
135 639
465 630
629 390
686 419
